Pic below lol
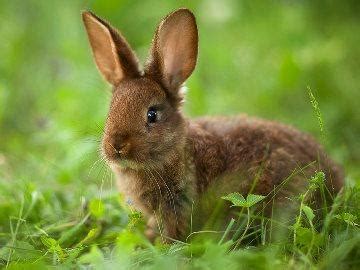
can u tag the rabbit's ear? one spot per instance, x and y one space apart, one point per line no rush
174 50
113 55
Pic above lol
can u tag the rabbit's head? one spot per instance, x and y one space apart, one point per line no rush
144 124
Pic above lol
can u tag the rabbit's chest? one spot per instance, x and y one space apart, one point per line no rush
151 191
135 191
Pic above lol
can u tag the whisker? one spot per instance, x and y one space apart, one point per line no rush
116 151
169 192
100 159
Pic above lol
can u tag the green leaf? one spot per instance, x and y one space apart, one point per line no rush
304 236
308 212
70 236
316 107
97 208
20 251
92 234
318 180
253 199
236 198
94 257
136 221
128 240
347 218
37 265
53 247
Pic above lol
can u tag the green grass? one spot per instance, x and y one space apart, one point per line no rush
283 60
105 234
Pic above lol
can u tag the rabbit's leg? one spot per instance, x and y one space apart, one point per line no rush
169 223
168 226
176 220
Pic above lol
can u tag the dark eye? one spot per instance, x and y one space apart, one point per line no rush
152 115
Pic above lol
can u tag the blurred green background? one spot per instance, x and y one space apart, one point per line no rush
256 57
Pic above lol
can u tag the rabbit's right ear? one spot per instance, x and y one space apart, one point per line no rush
113 55
174 50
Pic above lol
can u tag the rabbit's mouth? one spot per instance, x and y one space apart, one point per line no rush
126 164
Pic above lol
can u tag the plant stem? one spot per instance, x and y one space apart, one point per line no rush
246 228
228 228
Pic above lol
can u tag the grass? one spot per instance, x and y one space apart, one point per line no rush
59 207
109 235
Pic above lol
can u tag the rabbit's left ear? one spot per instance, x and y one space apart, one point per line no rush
112 53
174 49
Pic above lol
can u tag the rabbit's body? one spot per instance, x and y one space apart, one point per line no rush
225 154
166 164
255 146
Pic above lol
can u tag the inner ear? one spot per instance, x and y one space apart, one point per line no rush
178 51
174 51
113 55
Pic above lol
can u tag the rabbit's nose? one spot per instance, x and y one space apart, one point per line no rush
116 146
121 145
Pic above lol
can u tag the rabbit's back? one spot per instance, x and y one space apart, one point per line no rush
244 149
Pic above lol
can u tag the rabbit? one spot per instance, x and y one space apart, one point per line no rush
164 162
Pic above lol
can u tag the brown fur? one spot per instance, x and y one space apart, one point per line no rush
167 166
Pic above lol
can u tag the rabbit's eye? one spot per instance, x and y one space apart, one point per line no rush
152 115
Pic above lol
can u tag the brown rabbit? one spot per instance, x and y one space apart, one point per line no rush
165 162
